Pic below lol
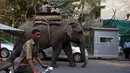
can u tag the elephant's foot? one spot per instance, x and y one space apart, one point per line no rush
72 65
54 65
84 65
10 60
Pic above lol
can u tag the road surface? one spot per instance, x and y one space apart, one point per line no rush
94 66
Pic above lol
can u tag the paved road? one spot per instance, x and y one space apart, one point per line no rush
94 66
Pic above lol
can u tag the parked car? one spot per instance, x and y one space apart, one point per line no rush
47 53
6 48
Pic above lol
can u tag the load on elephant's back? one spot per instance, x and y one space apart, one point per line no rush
57 33
48 17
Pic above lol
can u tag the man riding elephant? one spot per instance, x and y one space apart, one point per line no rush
56 34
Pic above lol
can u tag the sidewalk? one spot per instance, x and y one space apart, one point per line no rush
120 58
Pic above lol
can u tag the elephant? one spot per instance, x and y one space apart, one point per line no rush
57 36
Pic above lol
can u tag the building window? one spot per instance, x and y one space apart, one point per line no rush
102 39
106 39
109 40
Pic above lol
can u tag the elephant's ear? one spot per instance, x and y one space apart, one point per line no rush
68 29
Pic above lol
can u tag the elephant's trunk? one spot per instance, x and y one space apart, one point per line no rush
82 49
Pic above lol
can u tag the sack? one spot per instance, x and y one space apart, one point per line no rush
48 18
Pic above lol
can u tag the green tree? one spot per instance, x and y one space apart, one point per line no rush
79 9
15 12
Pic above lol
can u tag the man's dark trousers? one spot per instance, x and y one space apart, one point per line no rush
127 53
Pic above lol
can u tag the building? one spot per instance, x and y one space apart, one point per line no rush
104 42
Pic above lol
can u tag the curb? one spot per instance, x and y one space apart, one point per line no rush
102 58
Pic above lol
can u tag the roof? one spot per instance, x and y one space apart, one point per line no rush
98 28
11 30
5 27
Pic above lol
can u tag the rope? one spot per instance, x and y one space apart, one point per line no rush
48 26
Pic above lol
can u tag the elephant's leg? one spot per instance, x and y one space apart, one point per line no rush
55 53
82 49
68 51
15 53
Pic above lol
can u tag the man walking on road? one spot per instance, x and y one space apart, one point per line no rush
127 49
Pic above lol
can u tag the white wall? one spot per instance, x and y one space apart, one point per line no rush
122 7
106 49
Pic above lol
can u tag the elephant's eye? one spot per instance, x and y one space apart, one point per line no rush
73 26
